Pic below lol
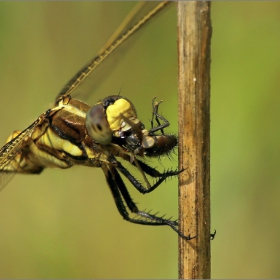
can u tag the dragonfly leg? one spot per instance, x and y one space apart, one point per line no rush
148 170
155 173
122 196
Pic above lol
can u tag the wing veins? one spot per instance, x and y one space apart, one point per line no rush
112 44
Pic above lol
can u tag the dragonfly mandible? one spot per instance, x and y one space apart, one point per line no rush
73 133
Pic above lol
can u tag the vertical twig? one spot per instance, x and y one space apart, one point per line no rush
194 34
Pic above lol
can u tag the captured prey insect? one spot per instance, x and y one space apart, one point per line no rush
73 133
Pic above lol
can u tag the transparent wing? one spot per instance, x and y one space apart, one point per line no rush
8 153
87 80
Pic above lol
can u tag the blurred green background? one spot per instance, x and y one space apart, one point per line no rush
63 223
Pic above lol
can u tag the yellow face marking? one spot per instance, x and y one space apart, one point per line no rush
114 111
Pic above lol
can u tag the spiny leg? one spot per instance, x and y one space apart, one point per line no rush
154 173
120 191
150 217
144 169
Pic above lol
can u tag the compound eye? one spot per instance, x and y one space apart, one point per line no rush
97 125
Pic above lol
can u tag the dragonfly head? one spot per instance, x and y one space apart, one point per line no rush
105 120
114 120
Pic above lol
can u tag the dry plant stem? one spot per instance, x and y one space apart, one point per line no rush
194 34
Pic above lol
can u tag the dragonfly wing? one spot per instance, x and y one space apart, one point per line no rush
5 178
82 86
8 153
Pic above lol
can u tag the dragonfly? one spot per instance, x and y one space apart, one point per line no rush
74 133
